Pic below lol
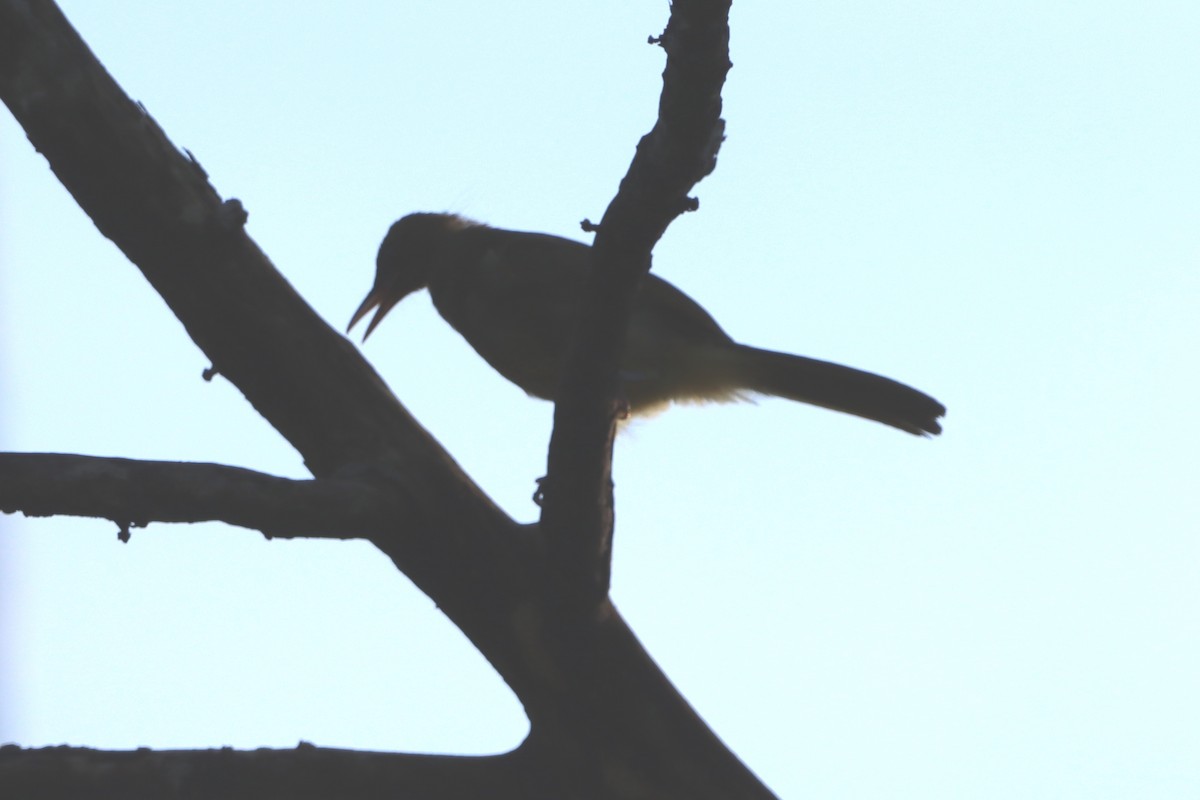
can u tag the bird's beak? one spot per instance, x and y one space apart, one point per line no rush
376 299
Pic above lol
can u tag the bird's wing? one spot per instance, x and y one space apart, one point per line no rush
665 310
523 298
535 271
530 284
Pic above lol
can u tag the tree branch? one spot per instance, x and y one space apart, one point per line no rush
305 772
681 149
156 204
137 493
307 380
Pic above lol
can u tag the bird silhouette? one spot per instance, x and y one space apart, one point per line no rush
513 296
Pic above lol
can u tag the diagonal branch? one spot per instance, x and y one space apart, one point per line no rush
137 493
681 149
307 380
156 204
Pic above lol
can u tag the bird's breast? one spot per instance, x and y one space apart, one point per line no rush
526 345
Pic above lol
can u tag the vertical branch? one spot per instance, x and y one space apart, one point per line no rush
681 149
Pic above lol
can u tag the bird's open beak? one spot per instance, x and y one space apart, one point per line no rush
376 299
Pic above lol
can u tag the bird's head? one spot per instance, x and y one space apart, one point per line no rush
407 258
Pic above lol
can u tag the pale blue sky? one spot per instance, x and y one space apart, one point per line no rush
995 202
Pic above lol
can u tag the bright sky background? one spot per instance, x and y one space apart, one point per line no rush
996 202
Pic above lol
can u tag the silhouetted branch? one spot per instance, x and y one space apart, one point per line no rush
681 149
155 203
137 493
80 773
306 379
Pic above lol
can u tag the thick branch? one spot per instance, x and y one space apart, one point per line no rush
156 204
305 772
681 149
307 380
140 492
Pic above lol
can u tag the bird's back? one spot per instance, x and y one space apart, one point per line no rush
514 296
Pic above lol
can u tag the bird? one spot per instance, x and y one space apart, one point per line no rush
513 296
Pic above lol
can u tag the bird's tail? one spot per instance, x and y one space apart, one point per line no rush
835 387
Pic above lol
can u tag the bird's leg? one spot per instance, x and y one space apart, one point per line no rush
622 407
622 410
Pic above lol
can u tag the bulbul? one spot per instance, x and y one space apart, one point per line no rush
513 296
